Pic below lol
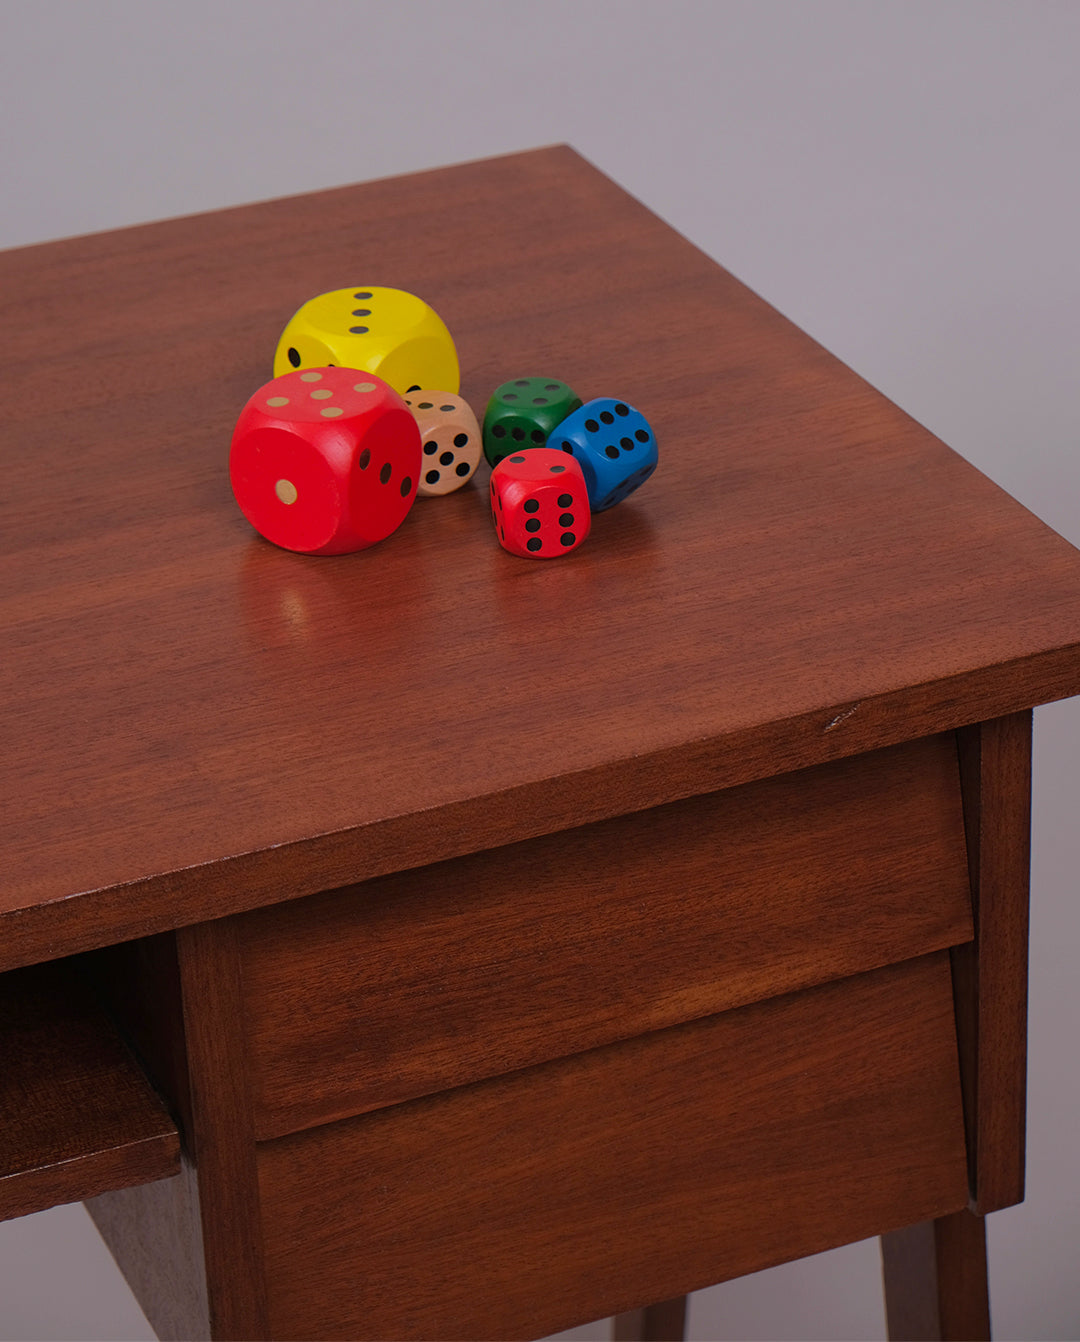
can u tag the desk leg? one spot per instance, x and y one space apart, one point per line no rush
935 1273
665 1322
935 1281
990 973
203 1277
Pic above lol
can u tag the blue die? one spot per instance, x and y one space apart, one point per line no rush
613 444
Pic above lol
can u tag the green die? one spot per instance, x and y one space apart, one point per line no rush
523 412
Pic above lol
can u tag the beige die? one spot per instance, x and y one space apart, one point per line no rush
452 442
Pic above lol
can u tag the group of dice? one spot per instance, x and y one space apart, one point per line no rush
363 415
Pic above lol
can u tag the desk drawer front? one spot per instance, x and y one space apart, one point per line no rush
441 976
624 1175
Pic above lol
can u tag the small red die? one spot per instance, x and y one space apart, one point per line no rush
540 503
325 460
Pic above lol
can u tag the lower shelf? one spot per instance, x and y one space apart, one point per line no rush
77 1115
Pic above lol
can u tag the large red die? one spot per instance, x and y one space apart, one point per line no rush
540 503
325 460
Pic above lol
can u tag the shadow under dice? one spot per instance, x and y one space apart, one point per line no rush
451 440
325 461
384 331
523 413
539 504
615 446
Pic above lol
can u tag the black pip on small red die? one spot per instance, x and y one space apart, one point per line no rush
540 503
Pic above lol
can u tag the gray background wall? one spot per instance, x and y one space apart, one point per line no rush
899 178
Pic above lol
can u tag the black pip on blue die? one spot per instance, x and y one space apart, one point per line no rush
614 445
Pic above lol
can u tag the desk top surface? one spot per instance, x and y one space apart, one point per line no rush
196 722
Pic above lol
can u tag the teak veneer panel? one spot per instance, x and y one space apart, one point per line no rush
990 972
406 985
77 1115
200 723
632 1173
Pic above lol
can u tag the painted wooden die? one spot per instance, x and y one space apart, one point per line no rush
325 461
615 446
539 504
384 331
451 440
523 413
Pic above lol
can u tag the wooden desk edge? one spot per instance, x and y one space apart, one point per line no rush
93 918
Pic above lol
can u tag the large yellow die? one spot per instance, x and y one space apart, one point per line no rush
388 332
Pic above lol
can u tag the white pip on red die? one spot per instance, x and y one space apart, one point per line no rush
452 444
540 503
325 461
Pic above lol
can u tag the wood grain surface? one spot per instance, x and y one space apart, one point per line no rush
447 974
936 1287
626 1175
77 1115
197 723
190 1247
990 973
222 1137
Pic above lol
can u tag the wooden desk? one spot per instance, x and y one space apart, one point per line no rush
513 943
